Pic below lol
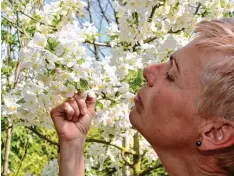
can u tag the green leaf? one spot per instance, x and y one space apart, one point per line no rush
57 19
84 84
5 22
100 105
21 101
222 3
6 69
137 80
52 45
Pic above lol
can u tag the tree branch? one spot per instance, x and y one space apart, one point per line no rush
8 148
137 156
175 32
103 12
23 157
109 143
107 44
3 129
17 72
126 161
198 7
153 11
15 25
150 39
96 52
34 130
37 20
91 21
123 149
151 168
115 13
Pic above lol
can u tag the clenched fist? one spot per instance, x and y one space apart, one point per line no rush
72 119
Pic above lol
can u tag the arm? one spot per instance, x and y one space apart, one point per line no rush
72 158
72 121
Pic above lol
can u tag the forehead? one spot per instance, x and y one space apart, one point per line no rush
189 59
194 55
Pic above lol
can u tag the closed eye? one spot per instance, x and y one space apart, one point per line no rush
169 77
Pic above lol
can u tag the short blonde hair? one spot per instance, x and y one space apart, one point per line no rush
217 78
216 34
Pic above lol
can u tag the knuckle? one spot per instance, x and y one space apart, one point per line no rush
70 111
82 103
68 108
70 100
66 105
76 113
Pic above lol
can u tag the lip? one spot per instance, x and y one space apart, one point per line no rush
137 99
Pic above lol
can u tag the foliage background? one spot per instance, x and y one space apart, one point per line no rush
131 34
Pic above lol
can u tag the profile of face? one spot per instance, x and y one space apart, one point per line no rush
165 108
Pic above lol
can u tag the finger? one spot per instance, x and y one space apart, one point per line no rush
72 102
91 102
69 111
60 110
81 103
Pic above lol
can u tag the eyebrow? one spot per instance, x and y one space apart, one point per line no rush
172 57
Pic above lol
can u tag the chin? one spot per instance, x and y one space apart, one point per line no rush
134 118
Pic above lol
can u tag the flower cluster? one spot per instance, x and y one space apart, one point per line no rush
56 63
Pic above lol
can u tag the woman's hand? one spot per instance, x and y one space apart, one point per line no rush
72 119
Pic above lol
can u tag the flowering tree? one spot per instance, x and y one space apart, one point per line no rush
53 50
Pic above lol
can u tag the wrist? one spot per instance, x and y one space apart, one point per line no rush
76 143
72 157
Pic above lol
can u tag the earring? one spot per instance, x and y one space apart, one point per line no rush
198 143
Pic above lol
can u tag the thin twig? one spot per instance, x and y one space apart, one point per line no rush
115 13
107 44
125 160
153 11
103 12
198 7
24 155
15 25
3 129
150 39
34 130
175 32
109 143
37 20
91 21
17 72
103 55
151 168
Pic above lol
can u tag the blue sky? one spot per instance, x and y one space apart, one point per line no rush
99 21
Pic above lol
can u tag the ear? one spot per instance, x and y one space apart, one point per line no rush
217 136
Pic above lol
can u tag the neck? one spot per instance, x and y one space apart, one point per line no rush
184 163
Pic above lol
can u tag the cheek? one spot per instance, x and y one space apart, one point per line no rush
162 100
167 108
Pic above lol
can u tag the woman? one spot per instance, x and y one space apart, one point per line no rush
188 102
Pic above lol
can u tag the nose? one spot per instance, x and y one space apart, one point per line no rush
150 73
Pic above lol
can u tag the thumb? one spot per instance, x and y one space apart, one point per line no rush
91 102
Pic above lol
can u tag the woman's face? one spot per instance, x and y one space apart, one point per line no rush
165 108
